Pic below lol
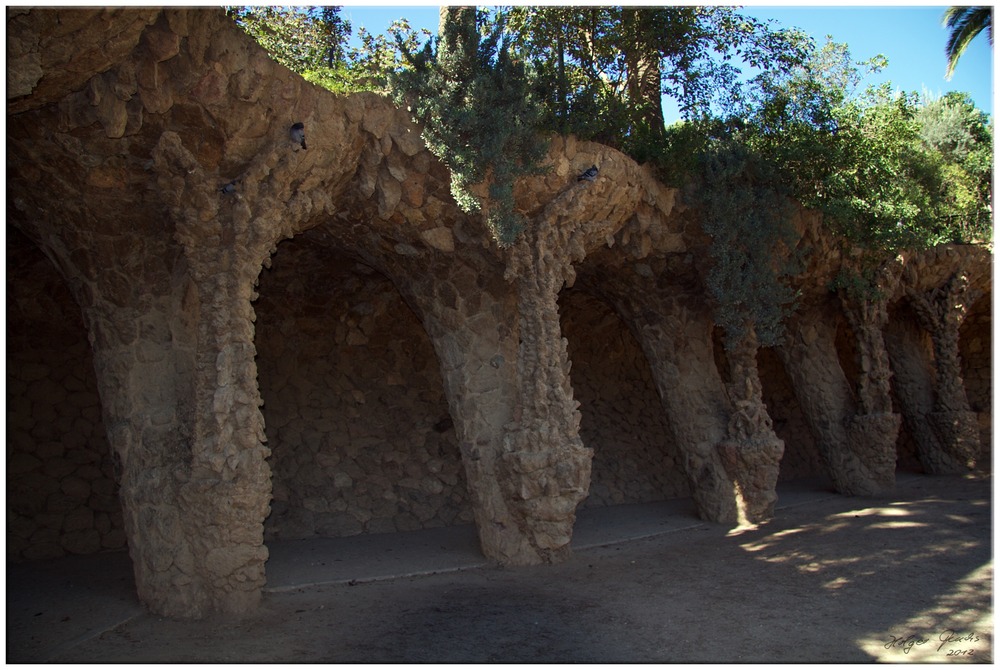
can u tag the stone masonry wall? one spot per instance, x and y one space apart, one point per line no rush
801 457
976 349
355 412
622 418
61 492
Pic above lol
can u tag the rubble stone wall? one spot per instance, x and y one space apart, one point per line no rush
356 418
62 497
623 420
976 346
801 457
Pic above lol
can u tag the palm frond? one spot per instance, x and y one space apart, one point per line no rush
965 23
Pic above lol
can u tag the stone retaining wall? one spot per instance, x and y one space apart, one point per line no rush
976 346
356 418
623 420
61 492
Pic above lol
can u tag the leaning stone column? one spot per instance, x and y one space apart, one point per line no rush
470 315
546 466
731 454
143 373
132 303
822 389
955 427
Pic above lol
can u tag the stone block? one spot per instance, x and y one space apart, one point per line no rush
76 487
21 463
114 539
81 518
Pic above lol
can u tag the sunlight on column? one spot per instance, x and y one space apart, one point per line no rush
958 627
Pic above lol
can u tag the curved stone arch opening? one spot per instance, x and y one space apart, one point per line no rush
622 418
801 458
355 411
62 483
911 384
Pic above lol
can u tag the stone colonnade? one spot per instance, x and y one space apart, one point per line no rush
158 176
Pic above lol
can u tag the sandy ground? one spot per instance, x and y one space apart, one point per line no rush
907 579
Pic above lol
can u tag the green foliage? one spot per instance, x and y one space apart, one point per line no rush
747 214
479 114
302 39
371 64
603 70
886 172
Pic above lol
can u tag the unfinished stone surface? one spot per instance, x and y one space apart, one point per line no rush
228 425
62 497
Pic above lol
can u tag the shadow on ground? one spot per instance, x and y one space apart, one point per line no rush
830 579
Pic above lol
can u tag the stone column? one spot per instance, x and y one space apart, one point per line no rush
470 315
133 307
732 467
872 432
547 466
954 427
822 389
751 452
225 487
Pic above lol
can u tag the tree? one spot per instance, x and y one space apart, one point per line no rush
371 64
479 114
957 139
300 38
965 23
886 172
607 68
746 210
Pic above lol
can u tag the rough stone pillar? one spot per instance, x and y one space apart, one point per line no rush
872 432
911 357
822 389
547 465
471 319
953 426
751 452
225 489
143 370
134 311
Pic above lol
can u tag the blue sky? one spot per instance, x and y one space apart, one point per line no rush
911 37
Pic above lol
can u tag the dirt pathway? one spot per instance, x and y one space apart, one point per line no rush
840 580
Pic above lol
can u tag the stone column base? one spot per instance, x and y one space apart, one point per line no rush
546 487
957 439
872 438
752 465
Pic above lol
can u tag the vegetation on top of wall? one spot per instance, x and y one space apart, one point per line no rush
479 114
766 114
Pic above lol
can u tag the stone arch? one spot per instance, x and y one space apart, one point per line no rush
62 487
912 380
801 458
356 416
622 417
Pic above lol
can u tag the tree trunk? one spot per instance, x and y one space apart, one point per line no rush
642 83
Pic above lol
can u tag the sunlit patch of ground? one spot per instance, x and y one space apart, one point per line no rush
958 627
